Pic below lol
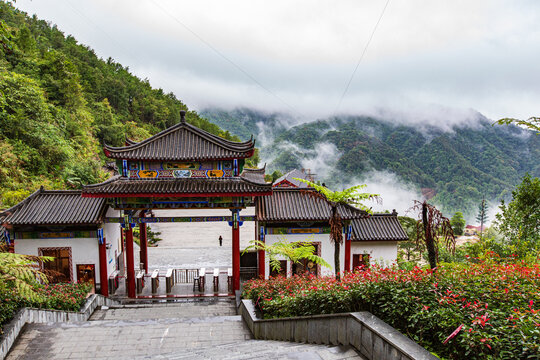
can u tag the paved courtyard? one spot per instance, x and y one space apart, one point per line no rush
184 330
196 245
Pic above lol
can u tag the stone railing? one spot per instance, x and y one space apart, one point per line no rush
372 337
31 315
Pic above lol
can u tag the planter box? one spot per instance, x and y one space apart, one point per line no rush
372 337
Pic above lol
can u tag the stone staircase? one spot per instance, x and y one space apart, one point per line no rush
208 329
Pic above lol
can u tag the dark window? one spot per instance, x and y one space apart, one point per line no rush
282 271
59 267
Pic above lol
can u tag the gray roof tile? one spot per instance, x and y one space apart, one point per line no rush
56 207
378 227
295 204
182 142
121 186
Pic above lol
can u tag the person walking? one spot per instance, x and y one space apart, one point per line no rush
220 241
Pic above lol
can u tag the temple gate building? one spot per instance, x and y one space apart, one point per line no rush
90 231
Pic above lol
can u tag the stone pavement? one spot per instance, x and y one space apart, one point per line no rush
196 245
183 330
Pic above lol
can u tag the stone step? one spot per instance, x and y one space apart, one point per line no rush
125 338
263 349
186 309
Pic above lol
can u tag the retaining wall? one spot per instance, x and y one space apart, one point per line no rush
372 337
31 315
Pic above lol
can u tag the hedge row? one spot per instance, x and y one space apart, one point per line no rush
474 311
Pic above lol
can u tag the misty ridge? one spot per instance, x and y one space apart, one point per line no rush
453 159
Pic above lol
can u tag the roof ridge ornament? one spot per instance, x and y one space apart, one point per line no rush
183 116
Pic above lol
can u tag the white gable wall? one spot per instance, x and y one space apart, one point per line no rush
83 250
381 252
327 250
111 233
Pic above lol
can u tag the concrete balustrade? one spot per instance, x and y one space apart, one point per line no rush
371 336
30 315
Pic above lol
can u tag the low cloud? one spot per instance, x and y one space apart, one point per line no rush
321 161
394 192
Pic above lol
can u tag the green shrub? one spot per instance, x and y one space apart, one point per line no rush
475 310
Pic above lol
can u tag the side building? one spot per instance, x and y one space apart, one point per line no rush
295 214
71 229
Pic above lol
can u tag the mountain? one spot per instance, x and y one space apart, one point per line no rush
59 102
454 168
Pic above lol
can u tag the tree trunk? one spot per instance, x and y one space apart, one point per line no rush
432 255
336 236
336 260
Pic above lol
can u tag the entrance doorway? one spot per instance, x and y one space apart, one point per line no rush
306 266
360 260
86 273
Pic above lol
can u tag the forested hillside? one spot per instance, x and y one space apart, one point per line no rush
456 167
59 102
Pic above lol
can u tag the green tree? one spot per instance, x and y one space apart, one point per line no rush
532 123
409 247
458 223
350 196
519 221
482 215
292 251
431 226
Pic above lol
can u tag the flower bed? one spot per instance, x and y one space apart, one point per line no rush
475 310
69 297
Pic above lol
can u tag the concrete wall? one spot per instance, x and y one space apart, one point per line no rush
327 250
29 315
111 233
381 252
83 250
371 336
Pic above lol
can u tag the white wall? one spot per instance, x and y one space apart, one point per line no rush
381 252
111 233
327 250
83 250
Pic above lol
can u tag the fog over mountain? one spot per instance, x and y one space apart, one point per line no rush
452 164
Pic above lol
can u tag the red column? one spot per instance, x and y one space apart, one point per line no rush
144 246
262 264
261 254
236 255
103 277
130 272
347 254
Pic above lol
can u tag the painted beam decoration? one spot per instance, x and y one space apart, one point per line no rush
180 170
185 203
149 220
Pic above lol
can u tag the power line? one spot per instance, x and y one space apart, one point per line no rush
361 58
223 56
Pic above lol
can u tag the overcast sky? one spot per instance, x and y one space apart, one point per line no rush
426 57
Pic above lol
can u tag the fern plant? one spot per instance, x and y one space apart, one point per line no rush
293 251
22 272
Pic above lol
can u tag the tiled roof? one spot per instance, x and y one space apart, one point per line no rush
122 187
254 175
294 204
182 142
56 207
290 177
378 227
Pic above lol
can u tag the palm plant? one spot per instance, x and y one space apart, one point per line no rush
350 196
